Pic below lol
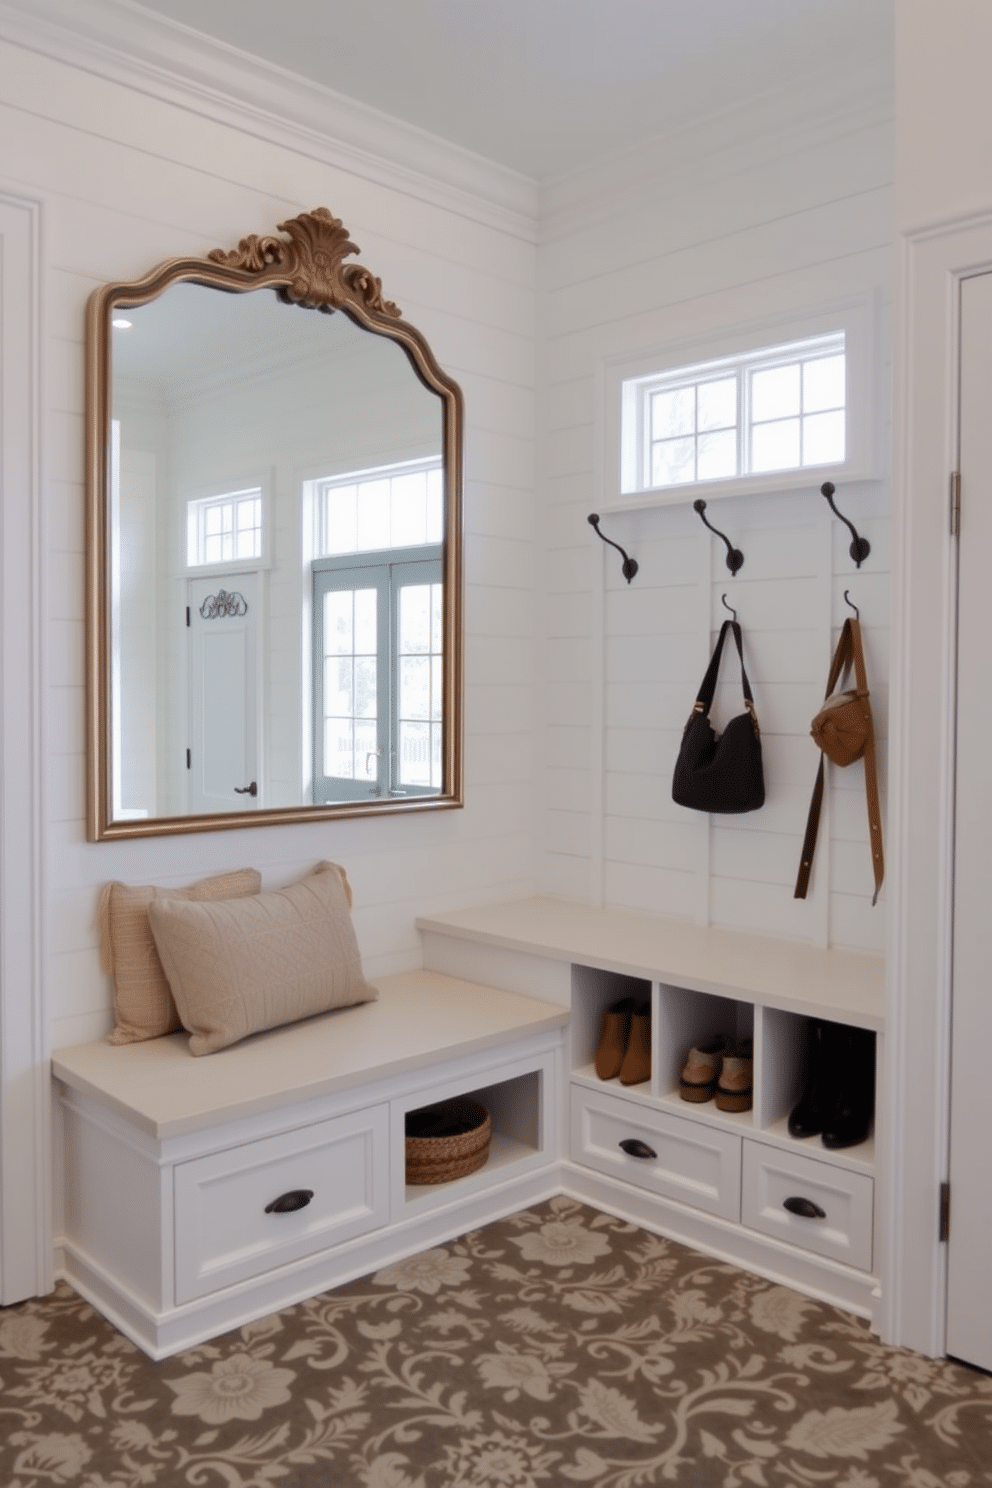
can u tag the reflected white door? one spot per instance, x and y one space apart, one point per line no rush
134 665
223 758
969 1296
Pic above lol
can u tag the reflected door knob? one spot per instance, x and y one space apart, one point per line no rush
246 790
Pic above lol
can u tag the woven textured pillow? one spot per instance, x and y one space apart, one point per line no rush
143 1005
244 965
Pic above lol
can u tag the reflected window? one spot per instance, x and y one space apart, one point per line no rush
419 655
378 676
395 506
378 608
226 528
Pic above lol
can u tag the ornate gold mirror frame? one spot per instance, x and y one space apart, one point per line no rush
304 268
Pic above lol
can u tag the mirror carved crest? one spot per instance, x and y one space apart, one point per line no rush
312 258
292 476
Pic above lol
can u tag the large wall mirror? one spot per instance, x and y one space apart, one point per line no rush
274 603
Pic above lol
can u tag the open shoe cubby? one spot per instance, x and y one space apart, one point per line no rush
682 1017
725 1183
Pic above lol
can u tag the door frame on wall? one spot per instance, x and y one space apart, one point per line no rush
914 1165
25 1139
969 1304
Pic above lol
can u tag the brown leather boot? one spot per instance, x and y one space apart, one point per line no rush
733 1088
613 1039
636 1067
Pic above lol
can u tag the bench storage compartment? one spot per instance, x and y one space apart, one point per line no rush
816 1205
243 1210
685 1160
203 1192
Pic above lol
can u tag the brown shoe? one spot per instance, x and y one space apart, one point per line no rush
733 1089
636 1067
613 1039
702 1069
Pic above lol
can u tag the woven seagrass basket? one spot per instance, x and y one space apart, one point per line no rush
446 1141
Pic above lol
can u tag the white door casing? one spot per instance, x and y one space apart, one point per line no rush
969 1299
224 740
25 1152
915 1093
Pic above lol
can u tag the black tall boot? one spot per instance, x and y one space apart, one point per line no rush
821 1092
850 1121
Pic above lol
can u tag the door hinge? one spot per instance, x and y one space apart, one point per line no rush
189 759
955 502
187 617
944 1223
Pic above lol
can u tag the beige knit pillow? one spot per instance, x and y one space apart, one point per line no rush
243 965
143 1005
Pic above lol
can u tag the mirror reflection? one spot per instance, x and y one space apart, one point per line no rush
276 540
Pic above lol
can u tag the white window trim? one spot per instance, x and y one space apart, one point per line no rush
260 480
856 318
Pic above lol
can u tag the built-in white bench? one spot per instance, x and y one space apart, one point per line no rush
723 1182
172 1162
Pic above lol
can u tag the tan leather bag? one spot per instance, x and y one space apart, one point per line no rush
844 731
843 726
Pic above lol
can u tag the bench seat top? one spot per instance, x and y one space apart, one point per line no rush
421 1018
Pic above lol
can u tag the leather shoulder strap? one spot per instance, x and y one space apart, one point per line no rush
809 840
839 660
871 773
707 688
848 649
745 684
842 657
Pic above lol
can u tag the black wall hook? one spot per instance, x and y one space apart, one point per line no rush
850 601
860 547
735 558
629 566
727 606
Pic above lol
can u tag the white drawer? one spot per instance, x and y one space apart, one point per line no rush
699 1165
223 1233
842 1231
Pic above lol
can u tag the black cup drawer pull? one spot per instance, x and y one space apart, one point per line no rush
287 1203
634 1147
805 1208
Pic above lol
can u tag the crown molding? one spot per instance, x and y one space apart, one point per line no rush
123 43
779 123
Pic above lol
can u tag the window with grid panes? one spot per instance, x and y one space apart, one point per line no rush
775 409
377 628
225 528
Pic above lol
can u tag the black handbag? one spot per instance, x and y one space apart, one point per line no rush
720 773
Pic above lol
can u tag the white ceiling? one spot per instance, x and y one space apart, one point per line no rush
548 86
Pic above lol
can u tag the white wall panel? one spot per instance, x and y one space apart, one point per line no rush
126 180
709 309
695 249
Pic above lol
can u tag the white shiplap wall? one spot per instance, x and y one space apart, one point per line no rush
758 218
124 179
